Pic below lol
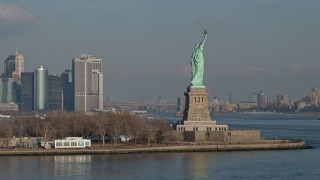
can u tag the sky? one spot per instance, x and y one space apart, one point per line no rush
252 46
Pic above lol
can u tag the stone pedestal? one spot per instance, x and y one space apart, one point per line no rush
196 107
196 116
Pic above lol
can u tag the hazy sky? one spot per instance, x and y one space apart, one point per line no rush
253 45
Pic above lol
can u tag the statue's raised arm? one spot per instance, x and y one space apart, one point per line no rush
204 38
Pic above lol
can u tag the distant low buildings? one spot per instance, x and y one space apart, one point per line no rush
301 105
228 107
262 100
247 105
217 106
314 96
282 99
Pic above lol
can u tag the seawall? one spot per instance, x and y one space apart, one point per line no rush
170 148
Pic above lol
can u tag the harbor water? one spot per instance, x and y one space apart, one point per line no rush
275 164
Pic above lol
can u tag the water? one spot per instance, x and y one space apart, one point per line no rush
284 164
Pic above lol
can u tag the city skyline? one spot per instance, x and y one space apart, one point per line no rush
252 46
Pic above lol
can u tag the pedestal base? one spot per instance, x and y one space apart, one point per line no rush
196 124
201 126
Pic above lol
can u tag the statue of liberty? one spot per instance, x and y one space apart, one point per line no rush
197 63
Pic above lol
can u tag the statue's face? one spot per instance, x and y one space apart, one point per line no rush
197 45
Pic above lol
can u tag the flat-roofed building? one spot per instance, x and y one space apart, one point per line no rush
26 92
66 78
55 93
87 80
8 90
246 105
72 142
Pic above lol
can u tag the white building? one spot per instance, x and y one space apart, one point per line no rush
72 142
245 105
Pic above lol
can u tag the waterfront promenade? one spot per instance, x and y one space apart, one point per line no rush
157 148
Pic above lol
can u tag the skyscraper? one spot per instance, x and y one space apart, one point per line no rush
8 90
55 94
40 88
14 66
66 78
87 79
26 92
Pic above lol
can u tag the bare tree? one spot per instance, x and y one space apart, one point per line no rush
85 126
7 128
46 129
62 126
150 130
162 129
115 126
31 126
73 123
134 128
99 124
36 126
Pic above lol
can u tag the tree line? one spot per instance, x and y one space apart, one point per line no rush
99 125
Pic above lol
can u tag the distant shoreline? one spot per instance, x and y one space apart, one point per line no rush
266 114
196 147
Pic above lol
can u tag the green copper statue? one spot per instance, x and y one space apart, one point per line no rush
197 64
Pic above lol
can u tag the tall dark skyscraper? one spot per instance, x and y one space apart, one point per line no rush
55 94
26 92
87 79
66 78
